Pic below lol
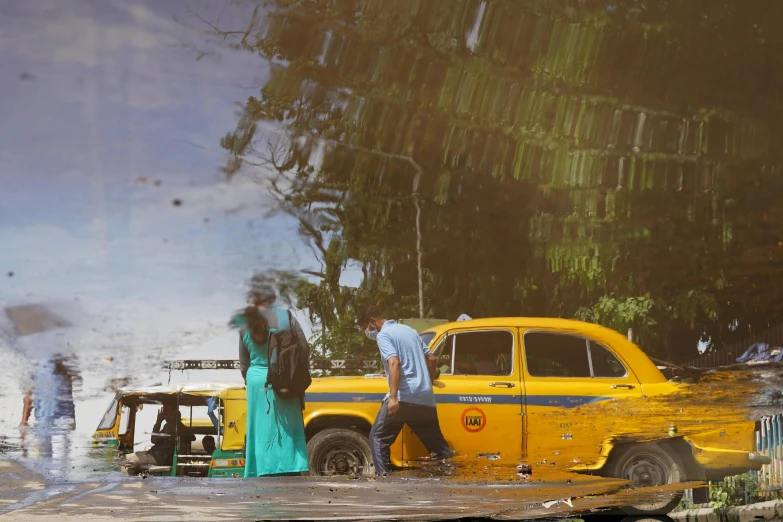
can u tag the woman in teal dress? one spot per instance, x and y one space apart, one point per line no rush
276 443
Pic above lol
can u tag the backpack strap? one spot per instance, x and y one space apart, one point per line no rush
283 325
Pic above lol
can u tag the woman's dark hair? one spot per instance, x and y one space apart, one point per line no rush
257 325
260 295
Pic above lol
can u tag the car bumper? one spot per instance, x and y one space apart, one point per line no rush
731 448
759 459
717 459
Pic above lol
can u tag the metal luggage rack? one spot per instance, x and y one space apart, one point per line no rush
201 364
231 364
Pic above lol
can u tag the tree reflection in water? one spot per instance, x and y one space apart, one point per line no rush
610 160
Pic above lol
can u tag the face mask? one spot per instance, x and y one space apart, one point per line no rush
371 334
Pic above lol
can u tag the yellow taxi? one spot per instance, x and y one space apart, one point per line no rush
560 396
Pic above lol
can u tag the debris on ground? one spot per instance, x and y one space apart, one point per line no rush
549 504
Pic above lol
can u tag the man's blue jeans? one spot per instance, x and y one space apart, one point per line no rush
422 420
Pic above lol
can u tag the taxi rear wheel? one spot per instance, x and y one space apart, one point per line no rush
648 465
338 451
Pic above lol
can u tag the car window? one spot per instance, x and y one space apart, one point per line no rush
488 352
559 355
427 337
444 354
556 355
605 364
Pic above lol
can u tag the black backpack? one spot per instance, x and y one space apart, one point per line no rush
289 360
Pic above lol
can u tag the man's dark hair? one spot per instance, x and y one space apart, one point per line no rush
367 312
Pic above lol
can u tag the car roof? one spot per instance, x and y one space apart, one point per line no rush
640 363
519 322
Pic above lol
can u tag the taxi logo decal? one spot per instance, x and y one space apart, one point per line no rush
473 420
473 398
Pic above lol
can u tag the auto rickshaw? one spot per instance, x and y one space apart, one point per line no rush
216 409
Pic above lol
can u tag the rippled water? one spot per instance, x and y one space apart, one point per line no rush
609 160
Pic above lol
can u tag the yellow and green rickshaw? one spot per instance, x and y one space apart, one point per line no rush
216 409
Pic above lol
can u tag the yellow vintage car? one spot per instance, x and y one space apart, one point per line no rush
560 396
555 396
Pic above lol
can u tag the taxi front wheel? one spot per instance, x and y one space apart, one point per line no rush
337 451
648 465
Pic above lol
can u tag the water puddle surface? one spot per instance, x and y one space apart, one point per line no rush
613 162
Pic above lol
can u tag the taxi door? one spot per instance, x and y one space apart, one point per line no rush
575 388
479 396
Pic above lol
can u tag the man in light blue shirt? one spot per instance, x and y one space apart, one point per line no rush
410 401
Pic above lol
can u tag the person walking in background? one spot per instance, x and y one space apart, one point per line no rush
275 436
49 398
410 369
52 399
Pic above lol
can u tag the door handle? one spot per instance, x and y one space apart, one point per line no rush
625 386
502 384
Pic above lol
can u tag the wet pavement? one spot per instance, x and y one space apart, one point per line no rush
28 496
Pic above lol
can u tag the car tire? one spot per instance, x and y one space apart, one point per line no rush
648 465
336 451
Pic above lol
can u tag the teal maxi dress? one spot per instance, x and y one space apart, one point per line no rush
276 441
